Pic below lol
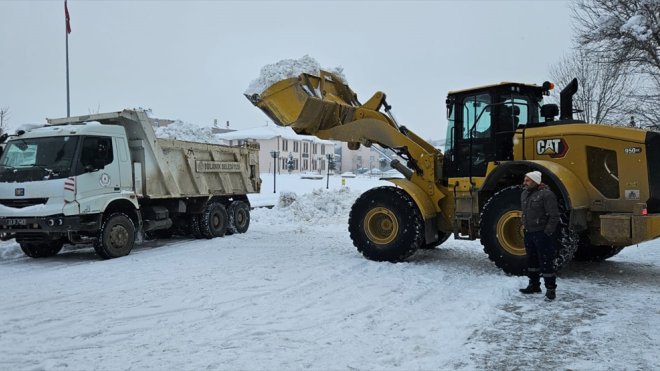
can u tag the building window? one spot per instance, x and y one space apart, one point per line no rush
323 149
314 149
305 147
295 146
285 145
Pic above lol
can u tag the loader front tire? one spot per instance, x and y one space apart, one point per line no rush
41 249
116 237
385 225
213 221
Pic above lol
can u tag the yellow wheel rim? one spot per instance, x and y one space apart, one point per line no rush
381 225
510 233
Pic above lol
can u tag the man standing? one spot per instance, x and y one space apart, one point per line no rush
540 217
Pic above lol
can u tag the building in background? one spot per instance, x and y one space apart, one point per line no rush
295 153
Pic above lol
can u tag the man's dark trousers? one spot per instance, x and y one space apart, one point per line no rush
541 251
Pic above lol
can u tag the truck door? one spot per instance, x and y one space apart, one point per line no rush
98 169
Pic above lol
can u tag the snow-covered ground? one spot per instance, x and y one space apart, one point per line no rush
293 293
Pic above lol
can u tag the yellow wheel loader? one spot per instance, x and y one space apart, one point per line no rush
607 178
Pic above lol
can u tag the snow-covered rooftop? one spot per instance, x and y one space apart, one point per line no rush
269 132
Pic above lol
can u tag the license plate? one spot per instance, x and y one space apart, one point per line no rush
13 221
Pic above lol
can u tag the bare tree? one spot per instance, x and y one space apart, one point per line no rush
4 118
625 33
604 91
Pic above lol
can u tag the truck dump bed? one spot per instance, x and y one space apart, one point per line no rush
165 168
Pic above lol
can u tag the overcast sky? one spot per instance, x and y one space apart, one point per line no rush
192 60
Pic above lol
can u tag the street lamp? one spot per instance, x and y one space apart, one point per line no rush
275 155
331 166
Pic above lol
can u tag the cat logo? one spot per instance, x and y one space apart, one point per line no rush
555 147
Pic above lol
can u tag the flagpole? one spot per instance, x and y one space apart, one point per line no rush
67 29
68 101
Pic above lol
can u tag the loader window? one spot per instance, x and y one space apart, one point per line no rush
476 116
449 139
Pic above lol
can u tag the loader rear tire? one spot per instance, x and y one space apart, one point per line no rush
586 252
239 217
502 233
213 221
41 249
116 237
385 225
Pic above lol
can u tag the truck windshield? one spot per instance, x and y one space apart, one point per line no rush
30 159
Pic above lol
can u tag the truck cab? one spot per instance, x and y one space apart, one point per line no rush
60 178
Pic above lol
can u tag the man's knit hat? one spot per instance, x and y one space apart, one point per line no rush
535 176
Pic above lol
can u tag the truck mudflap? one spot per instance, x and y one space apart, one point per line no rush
11 227
627 228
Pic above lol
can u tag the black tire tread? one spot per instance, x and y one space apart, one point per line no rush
411 235
205 220
234 208
101 245
41 250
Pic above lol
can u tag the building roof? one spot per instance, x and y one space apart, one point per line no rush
270 132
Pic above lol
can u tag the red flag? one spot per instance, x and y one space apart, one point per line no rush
67 18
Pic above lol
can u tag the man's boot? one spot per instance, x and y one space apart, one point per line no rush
550 286
534 286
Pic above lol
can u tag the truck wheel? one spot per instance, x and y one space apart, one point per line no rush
213 221
502 233
41 250
385 225
443 237
116 237
239 217
193 226
586 252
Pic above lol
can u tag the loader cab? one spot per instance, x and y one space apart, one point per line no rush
482 122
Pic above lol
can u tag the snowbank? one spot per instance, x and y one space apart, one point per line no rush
318 207
288 68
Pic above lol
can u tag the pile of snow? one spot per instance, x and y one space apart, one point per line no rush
318 207
287 68
185 131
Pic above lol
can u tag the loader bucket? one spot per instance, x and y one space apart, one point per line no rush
308 103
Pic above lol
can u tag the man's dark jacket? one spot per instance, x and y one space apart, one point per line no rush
539 209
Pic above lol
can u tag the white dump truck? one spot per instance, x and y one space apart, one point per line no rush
105 178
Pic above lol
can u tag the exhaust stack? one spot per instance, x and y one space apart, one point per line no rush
566 100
